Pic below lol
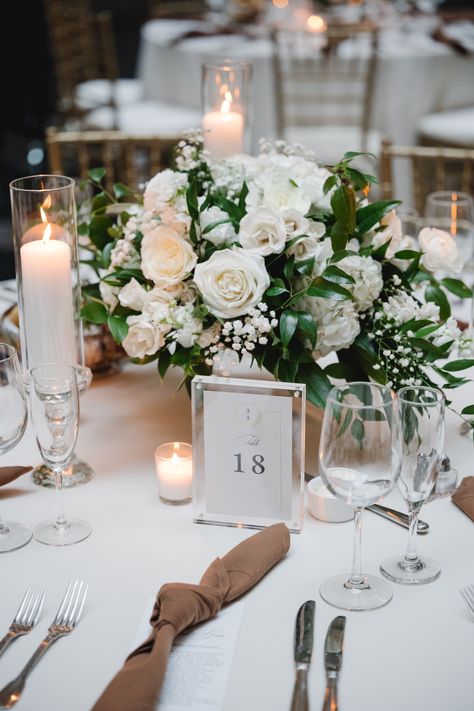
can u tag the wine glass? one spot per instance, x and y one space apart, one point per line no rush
13 416
422 426
55 415
359 462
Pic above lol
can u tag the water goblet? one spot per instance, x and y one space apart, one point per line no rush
13 417
359 463
422 426
54 401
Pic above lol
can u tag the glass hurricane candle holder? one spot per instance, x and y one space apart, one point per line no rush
174 470
225 108
49 288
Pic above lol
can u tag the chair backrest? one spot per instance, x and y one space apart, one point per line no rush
176 8
127 158
430 169
82 47
324 78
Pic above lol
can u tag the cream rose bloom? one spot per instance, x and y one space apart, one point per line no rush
167 258
132 295
392 231
440 251
262 231
143 337
232 281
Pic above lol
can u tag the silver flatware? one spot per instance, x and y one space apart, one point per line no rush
332 661
468 597
398 517
304 634
26 616
65 621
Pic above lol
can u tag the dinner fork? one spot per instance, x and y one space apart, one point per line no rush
468 597
26 616
65 621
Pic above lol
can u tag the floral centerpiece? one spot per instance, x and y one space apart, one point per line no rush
276 257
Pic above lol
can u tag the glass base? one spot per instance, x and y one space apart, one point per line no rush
13 535
76 473
51 534
377 593
428 571
176 502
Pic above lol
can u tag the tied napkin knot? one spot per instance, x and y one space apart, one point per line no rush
463 497
8 474
137 685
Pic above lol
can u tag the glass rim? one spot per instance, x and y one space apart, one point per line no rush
173 444
445 197
440 397
68 183
377 386
9 348
227 65
71 368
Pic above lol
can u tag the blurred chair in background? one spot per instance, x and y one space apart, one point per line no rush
177 8
431 168
127 158
448 128
323 88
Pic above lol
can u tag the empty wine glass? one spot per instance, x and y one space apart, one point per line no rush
359 463
55 415
13 416
422 426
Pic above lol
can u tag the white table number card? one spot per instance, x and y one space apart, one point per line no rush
248 452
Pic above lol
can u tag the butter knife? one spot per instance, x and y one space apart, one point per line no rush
304 633
398 517
332 661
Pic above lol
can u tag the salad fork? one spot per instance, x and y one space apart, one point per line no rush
468 597
26 616
65 621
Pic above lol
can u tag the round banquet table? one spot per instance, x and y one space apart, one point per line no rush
416 74
415 653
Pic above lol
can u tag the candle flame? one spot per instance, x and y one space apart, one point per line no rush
47 233
44 218
47 202
454 214
316 23
225 108
280 3
175 459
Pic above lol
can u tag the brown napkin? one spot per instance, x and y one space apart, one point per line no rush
8 474
137 685
463 497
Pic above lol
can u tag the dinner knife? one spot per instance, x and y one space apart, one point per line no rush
304 633
332 661
398 517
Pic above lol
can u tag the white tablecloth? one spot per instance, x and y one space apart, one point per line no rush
415 653
416 75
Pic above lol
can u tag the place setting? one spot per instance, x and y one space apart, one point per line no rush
239 283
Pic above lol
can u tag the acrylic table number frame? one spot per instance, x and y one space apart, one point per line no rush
248 452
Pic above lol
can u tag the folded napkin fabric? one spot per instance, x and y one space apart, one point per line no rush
137 685
463 497
8 474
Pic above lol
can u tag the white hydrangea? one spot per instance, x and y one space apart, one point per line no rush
449 331
124 254
187 328
367 273
336 321
166 189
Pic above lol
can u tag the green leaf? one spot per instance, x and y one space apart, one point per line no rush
94 312
338 276
380 252
293 183
307 325
242 197
98 230
353 154
276 291
369 215
328 290
407 254
106 252
329 184
456 286
317 383
214 224
83 229
164 363
436 295
357 178
345 423
344 207
460 364
358 431
339 236
192 200
469 410
341 253
100 201
289 267
118 328
288 324
286 370
306 266
96 175
121 190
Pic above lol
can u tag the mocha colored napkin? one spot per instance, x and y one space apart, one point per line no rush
216 32
137 685
463 497
8 474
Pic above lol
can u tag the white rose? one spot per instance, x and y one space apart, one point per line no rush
296 224
132 295
262 231
440 251
336 322
307 247
232 281
143 337
221 233
392 231
108 293
156 304
167 258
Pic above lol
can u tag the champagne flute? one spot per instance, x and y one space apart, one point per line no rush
359 462
55 415
13 417
422 425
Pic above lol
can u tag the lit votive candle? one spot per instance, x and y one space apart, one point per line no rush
174 469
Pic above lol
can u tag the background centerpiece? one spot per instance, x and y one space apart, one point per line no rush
276 257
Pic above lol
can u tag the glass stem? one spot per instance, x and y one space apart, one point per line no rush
356 579
411 560
60 519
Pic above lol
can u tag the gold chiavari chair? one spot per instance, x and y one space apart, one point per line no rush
127 158
176 8
323 85
431 168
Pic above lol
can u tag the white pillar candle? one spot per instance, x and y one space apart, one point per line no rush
48 311
174 470
223 131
